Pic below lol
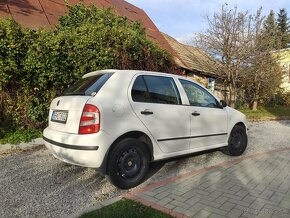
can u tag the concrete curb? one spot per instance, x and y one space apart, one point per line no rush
96 206
22 145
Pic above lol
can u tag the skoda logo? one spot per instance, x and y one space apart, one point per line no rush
57 102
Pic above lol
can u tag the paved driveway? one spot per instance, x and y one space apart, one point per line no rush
253 186
34 184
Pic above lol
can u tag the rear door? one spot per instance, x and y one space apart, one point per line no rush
157 103
208 118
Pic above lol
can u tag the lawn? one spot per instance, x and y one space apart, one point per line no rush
276 112
125 209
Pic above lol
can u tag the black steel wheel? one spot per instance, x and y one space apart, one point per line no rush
237 142
128 163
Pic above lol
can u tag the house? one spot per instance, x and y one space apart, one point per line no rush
199 66
283 56
45 13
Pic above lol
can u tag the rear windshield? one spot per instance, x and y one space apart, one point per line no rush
88 86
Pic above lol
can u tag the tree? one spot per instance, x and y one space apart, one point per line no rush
228 40
263 75
240 42
283 28
271 30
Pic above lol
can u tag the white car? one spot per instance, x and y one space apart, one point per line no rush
121 120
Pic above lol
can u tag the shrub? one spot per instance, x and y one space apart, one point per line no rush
38 64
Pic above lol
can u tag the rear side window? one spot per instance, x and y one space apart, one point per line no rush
139 90
88 86
155 89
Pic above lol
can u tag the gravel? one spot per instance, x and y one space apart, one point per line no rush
34 184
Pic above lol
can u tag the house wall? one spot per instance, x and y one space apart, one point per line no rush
284 61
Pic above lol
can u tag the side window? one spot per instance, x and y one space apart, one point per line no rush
139 90
197 96
162 90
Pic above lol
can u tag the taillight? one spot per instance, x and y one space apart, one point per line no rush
90 120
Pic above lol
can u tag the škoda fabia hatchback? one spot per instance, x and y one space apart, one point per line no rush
121 120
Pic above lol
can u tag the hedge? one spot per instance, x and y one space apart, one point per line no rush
35 65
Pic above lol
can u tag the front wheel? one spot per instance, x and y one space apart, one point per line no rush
237 142
128 163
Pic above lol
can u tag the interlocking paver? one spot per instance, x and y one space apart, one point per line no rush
255 187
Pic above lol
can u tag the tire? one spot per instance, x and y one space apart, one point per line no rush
237 142
128 163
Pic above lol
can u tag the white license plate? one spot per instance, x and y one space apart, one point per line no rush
59 116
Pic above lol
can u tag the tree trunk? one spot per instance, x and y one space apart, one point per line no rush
233 96
254 105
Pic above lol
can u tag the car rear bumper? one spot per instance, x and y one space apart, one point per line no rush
82 150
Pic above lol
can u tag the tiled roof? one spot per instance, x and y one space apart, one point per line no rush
194 58
45 13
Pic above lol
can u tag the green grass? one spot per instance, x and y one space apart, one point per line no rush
125 209
278 112
14 136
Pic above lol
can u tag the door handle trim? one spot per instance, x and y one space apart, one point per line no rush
146 112
195 113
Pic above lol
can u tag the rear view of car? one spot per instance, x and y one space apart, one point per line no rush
74 125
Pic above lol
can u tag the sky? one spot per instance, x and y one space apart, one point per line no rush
182 18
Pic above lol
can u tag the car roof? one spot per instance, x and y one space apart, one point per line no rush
129 73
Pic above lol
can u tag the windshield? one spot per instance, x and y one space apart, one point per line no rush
88 86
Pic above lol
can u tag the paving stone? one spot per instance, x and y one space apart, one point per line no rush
249 198
215 194
203 214
215 210
176 197
162 195
266 194
213 215
285 204
193 200
165 201
210 203
227 206
232 196
180 210
221 199
234 213
170 206
177 203
242 193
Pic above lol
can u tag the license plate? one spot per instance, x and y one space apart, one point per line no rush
59 116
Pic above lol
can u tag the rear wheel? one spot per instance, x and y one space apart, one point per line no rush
128 163
237 142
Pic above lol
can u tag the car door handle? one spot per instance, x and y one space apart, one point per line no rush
146 112
195 113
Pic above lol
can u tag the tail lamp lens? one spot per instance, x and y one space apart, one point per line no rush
90 120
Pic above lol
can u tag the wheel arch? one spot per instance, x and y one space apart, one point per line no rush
241 124
132 134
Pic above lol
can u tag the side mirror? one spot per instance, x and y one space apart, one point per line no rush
223 103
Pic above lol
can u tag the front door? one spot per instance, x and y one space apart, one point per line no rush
208 118
157 103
